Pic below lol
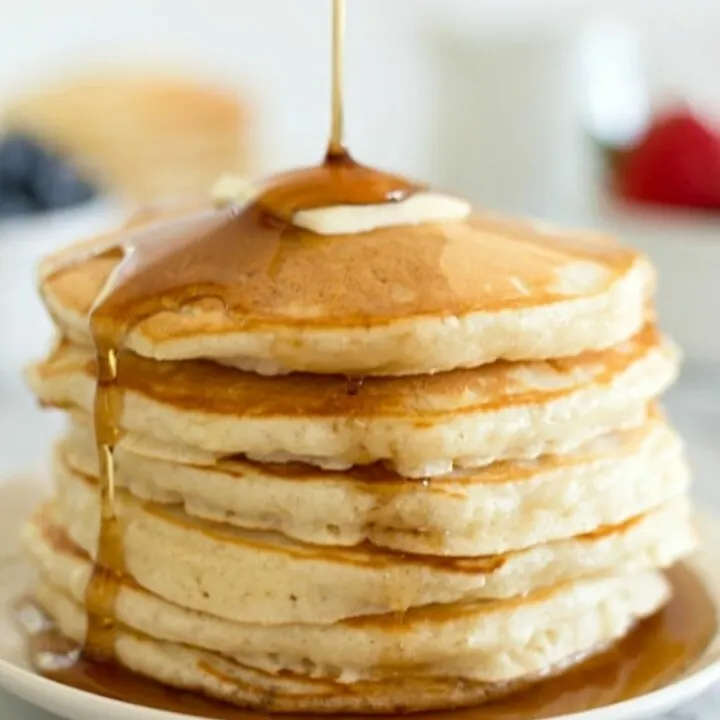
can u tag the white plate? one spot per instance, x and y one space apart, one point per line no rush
17 678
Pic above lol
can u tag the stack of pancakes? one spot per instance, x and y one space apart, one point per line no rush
421 469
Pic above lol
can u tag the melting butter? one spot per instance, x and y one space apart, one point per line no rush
422 207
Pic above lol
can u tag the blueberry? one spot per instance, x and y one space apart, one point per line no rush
32 176
20 159
59 185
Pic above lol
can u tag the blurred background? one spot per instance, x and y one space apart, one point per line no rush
592 113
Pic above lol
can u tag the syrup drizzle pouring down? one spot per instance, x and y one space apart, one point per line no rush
204 257
336 146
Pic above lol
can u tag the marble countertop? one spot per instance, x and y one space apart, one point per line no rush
694 405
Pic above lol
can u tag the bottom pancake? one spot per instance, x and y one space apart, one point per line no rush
211 674
447 656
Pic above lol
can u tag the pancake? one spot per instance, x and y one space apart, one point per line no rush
449 654
264 577
505 506
418 298
423 425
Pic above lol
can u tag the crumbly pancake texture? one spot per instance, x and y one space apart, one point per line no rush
505 506
403 300
448 656
423 425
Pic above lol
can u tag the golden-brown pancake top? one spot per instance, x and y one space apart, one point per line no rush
221 271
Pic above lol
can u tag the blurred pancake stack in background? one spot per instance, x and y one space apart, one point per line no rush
141 137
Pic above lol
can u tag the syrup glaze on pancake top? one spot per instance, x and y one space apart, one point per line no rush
356 273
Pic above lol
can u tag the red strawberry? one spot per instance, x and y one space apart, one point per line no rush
677 162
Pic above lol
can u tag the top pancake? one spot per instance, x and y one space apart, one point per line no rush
411 299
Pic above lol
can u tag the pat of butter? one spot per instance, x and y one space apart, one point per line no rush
423 207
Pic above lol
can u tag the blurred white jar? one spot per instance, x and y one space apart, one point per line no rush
506 116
